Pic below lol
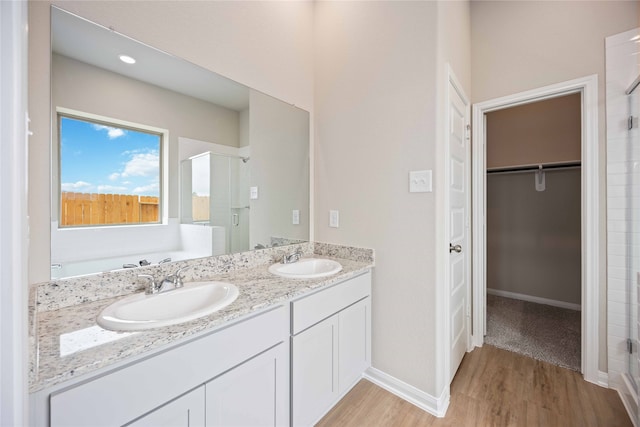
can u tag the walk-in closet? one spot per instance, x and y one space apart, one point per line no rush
534 250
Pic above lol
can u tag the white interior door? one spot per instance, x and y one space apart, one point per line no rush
459 192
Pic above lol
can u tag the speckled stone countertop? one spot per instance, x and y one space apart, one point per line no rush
66 342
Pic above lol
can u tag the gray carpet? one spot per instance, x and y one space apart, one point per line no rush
543 332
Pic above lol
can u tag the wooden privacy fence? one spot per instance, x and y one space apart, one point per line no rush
200 208
92 208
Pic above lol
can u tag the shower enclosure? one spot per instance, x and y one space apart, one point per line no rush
633 233
623 215
215 193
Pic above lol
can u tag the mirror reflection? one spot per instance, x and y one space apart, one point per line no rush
234 163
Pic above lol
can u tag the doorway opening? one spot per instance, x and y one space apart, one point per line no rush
586 89
533 220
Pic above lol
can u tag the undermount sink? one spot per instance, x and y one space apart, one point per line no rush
306 268
141 311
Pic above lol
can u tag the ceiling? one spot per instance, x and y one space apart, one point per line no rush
93 44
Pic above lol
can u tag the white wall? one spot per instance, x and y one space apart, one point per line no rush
548 131
376 78
264 45
533 237
279 167
517 46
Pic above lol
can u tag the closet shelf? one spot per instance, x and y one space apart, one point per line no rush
535 167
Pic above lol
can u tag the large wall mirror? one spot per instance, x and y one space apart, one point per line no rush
157 159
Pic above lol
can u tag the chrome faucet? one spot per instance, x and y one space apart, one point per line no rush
292 257
156 286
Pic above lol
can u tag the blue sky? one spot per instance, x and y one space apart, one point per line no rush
102 159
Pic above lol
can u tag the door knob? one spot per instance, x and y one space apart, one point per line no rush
456 248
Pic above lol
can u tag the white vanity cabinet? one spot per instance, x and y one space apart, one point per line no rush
284 366
246 365
330 346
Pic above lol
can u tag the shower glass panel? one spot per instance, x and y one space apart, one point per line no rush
215 190
633 234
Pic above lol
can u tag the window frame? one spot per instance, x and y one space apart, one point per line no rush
163 196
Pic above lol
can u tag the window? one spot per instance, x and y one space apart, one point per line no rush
109 173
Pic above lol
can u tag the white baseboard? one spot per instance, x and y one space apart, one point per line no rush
434 405
531 298
603 379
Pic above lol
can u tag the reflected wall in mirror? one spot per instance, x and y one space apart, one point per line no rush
255 146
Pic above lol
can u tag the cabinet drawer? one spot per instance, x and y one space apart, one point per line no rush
127 393
310 310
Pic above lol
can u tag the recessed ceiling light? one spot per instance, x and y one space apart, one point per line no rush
127 59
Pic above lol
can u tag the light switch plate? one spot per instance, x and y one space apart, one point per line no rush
295 217
253 193
420 181
334 219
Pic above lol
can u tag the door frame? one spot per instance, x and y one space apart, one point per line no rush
588 88
14 214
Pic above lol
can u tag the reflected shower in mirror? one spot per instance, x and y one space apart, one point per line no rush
234 163
216 193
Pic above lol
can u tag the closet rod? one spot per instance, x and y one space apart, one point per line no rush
529 168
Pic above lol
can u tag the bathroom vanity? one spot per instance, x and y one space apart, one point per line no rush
282 354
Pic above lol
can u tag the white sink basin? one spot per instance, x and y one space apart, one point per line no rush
140 311
306 268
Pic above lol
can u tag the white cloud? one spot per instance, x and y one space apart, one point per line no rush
142 164
112 132
147 190
114 176
111 189
74 186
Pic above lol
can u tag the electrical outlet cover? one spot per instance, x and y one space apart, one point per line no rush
334 219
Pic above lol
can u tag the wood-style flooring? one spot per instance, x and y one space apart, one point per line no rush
493 387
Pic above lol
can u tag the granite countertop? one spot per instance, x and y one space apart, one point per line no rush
66 342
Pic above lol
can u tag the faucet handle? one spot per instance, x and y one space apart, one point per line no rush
152 287
177 278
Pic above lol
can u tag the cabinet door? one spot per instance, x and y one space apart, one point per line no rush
254 393
314 371
185 411
354 348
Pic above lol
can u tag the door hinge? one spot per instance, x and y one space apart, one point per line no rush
630 345
632 122
467 132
